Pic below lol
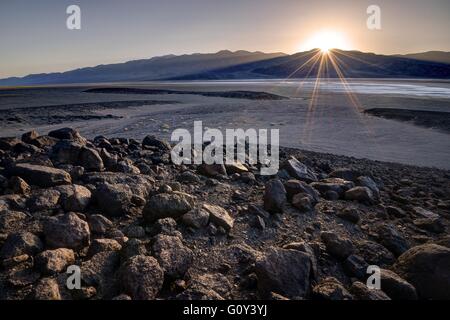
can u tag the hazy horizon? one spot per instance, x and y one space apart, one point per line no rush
35 38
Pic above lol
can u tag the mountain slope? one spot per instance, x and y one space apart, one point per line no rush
146 69
433 56
352 64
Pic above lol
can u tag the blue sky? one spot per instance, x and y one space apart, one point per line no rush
34 37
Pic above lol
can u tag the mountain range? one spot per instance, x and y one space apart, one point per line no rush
241 64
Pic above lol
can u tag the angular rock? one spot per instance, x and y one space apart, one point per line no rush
299 171
196 218
67 134
274 196
66 152
40 175
74 198
19 186
212 170
219 216
21 243
356 266
168 205
284 271
375 254
389 237
303 202
361 194
173 257
349 214
30 136
115 199
54 261
67 231
235 167
364 181
337 185
142 277
152 141
47 289
345 173
44 200
296 186
7 143
99 224
101 245
337 246
90 159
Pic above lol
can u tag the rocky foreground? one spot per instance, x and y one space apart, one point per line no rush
140 227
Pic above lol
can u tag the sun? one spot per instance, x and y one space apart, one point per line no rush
326 40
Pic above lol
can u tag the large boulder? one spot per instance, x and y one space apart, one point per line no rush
427 268
67 231
67 134
116 199
168 205
90 159
173 257
142 277
274 196
40 175
299 171
294 187
361 194
389 237
284 271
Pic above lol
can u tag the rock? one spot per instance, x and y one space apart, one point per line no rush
173 257
44 142
74 198
133 247
396 287
361 194
349 214
345 174
219 216
54 261
40 175
389 237
139 185
21 243
152 141
356 266
212 170
109 160
303 202
30 136
274 196
167 205
19 186
294 187
308 249
101 245
47 289
361 292
364 181
284 271
338 247
66 152
90 159
427 268
235 167
127 166
67 134
11 220
203 287
395 212
331 289
7 143
423 213
134 231
99 224
375 254
115 200
188 177
336 185
299 171
122 297
67 231
142 277
44 200
434 225
100 271
167 226
196 218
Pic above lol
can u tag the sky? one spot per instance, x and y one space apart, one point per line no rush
34 37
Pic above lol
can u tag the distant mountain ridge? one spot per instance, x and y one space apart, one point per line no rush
228 65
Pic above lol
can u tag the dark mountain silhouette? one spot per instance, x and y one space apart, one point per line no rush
433 56
250 65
